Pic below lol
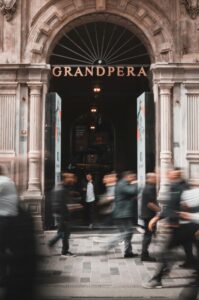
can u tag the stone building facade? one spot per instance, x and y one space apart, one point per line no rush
29 29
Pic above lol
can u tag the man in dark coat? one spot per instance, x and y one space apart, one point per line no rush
179 233
61 196
125 194
149 208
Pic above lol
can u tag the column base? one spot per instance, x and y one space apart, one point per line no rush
32 201
33 194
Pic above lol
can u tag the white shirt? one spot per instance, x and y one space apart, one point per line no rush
191 199
90 196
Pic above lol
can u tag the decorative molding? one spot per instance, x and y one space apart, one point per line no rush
192 7
8 8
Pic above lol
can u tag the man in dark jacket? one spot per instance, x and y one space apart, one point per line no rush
125 194
61 196
149 208
178 232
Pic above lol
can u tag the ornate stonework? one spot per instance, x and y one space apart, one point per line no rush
8 8
192 7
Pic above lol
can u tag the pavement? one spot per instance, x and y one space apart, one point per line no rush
95 274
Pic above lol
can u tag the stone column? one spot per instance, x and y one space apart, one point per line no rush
35 136
165 137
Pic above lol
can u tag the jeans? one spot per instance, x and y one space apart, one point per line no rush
63 232
146 238
125 234
89 212
179 236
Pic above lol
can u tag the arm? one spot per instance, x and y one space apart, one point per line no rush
153 222
154 207
130 189
194 217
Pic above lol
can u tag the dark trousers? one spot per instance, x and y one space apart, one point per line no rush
179 237
188 248
146 238
125 234
63 233
89 212
18 256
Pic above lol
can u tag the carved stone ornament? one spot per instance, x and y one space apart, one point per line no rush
8 8
192 7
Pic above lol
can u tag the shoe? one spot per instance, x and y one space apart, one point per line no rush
148 258
194 283
140 229
64 255
152 284
187 265
90 226
68 253
130 255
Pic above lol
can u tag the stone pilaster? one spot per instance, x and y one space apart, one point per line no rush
165 137
192 153
8 94
35 136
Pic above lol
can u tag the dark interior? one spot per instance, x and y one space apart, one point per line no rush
105 140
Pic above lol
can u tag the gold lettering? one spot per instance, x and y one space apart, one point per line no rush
111 70
57 71
78 72
120 71
67 71
142 72
130 71
100 71
89 71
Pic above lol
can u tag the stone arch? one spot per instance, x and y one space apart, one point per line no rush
150 25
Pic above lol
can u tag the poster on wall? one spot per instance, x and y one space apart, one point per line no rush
57 139
141 149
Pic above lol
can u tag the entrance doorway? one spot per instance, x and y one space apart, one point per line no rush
99 113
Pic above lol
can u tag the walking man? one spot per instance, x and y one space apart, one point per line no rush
149 208
178 232
125 194
61 196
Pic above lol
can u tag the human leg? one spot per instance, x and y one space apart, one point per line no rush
146 240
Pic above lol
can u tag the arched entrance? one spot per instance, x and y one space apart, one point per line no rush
98 70
48 26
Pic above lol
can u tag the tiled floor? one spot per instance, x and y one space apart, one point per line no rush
93 272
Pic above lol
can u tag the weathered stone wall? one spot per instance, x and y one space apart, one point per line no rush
28 33
167 24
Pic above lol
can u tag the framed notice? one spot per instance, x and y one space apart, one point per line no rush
141 149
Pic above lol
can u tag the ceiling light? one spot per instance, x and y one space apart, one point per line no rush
97 89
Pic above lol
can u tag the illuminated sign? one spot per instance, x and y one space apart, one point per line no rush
99 71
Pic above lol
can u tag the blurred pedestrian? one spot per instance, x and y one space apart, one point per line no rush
17 244
125 194
61 197
190 202
178 235
106 202
149 208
